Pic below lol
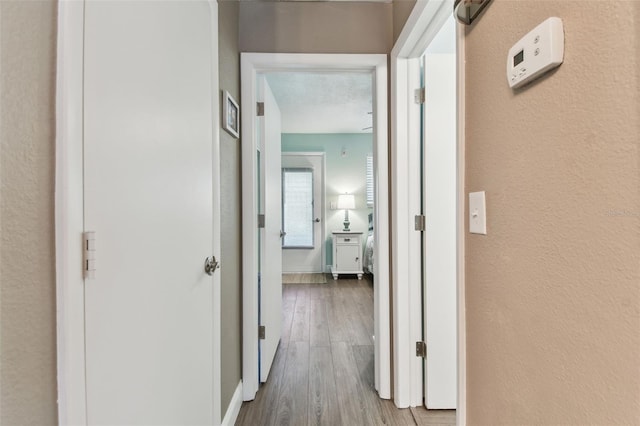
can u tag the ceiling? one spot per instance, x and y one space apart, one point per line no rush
363 1
323 102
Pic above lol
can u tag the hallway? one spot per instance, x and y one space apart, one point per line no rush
323 369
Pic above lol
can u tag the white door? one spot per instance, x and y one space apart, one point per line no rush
270 292
439 186
148 191
303 207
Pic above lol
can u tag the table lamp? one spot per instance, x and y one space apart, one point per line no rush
346 202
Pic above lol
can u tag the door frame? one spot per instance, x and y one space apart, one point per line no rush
323 197
251 64
69 214
424 22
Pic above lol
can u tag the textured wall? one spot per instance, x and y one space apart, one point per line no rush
401 11
27 255
346 173
231 261
553 290
315 27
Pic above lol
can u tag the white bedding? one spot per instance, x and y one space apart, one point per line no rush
368 254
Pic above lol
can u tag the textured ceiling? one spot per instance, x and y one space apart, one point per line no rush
323 102
362 1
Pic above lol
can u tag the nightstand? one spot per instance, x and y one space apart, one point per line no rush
347 253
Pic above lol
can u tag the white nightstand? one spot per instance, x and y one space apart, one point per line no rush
347 253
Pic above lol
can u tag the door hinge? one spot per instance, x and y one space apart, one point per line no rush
261 332
420 222
89 258
421 349
419 96
260 110
260 221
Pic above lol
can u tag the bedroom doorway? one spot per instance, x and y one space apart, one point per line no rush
257 67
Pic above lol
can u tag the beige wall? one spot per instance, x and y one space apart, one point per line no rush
401 11
27 256
315 27
553 290
231 269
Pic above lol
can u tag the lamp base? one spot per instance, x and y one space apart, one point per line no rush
346 221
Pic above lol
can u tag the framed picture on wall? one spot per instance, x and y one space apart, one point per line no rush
230 115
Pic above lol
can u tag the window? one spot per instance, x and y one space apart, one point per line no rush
297 208
370 180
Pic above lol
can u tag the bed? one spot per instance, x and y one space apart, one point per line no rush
369 257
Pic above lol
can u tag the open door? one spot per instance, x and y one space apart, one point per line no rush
270 258
439 207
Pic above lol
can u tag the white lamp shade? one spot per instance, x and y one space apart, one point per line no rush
346 202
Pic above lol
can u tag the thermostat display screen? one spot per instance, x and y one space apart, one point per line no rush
518 58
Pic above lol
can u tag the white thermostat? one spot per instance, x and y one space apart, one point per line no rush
536 53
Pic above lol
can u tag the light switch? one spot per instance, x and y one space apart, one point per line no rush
477 213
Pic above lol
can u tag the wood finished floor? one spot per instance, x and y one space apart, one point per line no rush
295 278
322 373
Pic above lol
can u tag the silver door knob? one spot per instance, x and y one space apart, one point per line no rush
317 220
210 265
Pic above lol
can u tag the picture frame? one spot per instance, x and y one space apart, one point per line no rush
230 115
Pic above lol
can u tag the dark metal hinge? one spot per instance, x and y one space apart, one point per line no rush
260 221
420 222
261 332
419 96
260 110
421 349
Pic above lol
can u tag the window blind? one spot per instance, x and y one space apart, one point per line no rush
369 180
297 208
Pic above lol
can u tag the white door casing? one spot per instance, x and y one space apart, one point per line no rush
426 19
271 240
251 65
308 260
439 238
151 314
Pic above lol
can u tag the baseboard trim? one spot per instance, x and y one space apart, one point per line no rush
234 407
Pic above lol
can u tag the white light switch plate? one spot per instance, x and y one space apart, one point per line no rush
477 213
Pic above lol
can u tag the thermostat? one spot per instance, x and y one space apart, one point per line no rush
539 51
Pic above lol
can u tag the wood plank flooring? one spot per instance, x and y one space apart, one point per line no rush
322 373
295 278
